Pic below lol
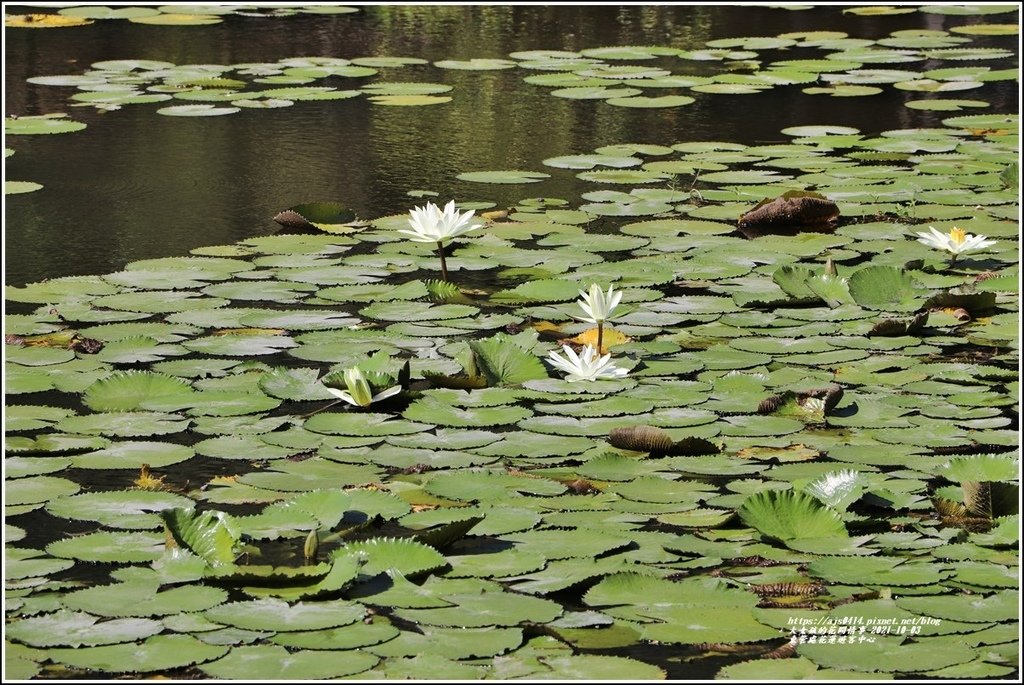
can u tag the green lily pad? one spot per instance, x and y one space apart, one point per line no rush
486 609
1000 606
276 662
176 19
502 176
41 124
139 599
133 390
124 509
389 555
157 653
476 64
77 629
110 547
645 102
124 424
276 615
889 654
37 489
20 187
196 110
132 455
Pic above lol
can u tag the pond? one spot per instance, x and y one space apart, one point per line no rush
246 443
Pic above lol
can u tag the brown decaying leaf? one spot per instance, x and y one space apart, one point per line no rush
582 486
791 209
641 439
831 394
249 331
756 560
609 338
292 219
66 339
788 589
770 404
786 651
987 500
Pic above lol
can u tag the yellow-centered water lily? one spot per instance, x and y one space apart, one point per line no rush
598 307
431 224
359 393
956 242
586 366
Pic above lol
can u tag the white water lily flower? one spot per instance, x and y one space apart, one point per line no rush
431 224
587 366
359 393
598 305
956 242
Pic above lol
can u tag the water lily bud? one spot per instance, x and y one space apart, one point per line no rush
358 388
830 268
312 544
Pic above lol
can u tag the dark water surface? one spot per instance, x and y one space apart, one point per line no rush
137 185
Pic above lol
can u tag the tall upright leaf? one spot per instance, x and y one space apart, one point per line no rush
787 515
504 362
211 535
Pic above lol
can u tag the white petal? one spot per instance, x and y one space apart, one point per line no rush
615 299
384 394
343 395
561 364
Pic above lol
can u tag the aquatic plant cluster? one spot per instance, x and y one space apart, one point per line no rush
614 421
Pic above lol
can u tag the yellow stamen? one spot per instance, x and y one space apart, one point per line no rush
957 235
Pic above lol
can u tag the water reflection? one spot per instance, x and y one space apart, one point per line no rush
137 185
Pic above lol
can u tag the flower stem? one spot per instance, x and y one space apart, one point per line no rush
600 335
444 267
952 260
317 411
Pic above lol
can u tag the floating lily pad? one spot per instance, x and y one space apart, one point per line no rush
157 653
263 661
889 654
177 19
41 124
476 64
110 546
595 92
196 110
139 599
645 102
118 509
502 176
276 615
19 187
77 629
409 100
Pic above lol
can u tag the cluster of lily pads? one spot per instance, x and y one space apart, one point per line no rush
823 62
786 436
164 15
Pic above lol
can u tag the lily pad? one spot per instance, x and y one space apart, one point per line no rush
157 653
273 661
502 176
196 110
